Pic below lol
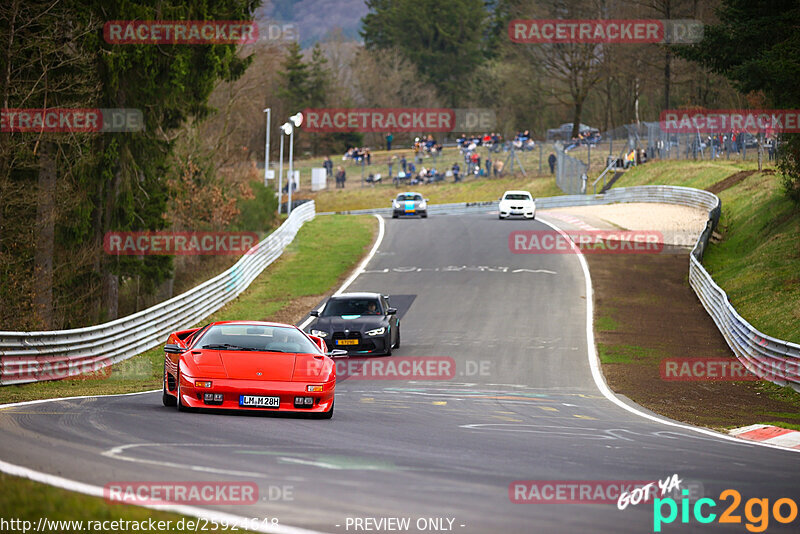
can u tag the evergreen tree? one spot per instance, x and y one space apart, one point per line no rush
756 45
445 40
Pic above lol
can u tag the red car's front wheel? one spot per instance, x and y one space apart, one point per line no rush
166 398
328 414
181 407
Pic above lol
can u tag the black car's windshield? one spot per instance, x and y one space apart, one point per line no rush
352 306
256 338
403 196
517 196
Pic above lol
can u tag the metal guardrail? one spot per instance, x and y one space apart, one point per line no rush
36 356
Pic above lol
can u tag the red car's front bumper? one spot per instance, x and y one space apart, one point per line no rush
192 396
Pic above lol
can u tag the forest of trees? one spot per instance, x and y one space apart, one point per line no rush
60 193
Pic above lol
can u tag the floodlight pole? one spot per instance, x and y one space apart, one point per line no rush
280 178
291 174
268 111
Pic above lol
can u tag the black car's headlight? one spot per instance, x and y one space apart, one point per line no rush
376 332
319 333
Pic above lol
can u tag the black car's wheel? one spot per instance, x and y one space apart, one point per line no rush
388 344
166 398
397 342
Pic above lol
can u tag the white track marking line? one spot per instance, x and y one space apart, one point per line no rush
39 401
117 453
599 379
192 511
362 266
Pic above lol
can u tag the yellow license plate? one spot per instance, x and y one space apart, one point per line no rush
347 342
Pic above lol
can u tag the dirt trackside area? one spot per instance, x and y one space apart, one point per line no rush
646 312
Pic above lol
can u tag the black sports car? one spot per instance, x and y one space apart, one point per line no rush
360 323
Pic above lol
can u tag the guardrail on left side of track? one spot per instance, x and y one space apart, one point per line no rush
38 356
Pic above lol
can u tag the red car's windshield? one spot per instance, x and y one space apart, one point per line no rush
256 338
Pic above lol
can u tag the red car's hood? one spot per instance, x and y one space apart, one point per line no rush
246 365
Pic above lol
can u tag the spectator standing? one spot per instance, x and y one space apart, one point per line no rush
391 164
488 166
341 176
368 156
328 164
456 172
389 139
551 160
403 163
498 168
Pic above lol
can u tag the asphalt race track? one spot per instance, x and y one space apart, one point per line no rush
522 406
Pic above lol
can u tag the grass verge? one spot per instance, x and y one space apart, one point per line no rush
25 500
757 262
324 252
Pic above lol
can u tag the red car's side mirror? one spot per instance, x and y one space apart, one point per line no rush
170 348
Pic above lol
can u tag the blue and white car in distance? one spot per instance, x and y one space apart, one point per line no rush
409 204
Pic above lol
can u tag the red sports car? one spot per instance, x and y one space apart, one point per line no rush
249 365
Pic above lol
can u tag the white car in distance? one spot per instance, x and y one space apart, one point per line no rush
517 204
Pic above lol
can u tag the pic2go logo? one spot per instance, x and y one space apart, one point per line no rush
758 521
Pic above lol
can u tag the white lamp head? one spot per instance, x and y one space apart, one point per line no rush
287 128
297 118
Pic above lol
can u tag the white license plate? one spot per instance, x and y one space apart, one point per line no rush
259 402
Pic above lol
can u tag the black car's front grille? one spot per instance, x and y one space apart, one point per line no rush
349 335
363 344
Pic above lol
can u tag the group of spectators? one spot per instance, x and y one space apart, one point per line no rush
357 155
423 145
583 138
493 141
